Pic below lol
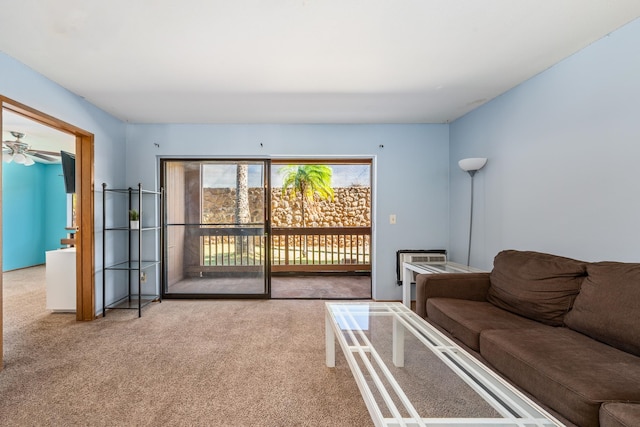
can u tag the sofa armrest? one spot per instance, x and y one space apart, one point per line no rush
619 414
470 286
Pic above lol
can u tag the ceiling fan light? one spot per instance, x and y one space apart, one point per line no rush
19 158
28 161
7 157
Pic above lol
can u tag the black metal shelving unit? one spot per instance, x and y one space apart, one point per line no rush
134 264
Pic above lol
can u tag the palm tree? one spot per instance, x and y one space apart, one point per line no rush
243 215
242 194
308 181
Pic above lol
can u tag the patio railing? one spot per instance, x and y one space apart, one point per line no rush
292 249
321 249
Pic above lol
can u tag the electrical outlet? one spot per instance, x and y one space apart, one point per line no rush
392 219
143 277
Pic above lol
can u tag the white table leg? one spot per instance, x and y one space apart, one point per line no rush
330 342
406 286
398 343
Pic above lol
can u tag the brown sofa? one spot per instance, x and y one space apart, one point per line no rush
565 331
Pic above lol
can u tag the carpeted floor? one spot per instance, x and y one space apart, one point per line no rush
184 363
192 363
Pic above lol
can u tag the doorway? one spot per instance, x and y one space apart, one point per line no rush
85 253
38 207
216 241
234 229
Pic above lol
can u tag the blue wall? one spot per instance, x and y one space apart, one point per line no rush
561 175
33 211
410 172
563 150
22 84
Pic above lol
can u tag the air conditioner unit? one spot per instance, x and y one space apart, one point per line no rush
425 256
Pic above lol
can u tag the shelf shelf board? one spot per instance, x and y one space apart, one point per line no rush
132 190
126 228
116 190
132 265
116 228
130 303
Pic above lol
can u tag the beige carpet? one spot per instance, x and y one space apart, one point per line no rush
184 363
192 363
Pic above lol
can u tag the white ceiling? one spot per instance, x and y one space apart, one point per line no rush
299 61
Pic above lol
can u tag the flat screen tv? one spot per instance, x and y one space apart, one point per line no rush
69 171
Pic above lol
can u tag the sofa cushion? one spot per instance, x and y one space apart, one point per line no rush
608 306
567 371
618 414
539 286
465 319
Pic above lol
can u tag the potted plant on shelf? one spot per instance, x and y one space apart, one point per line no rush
134 219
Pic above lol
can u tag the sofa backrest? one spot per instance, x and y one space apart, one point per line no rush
535 285
608 306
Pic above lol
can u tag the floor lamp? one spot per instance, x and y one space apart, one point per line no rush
471 165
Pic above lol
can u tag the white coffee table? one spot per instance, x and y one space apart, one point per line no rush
410 374
428 268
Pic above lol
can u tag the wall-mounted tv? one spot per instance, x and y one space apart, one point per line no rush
69 171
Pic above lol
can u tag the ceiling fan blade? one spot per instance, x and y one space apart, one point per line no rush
48 153
39 155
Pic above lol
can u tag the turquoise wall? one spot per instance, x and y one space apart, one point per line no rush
34 213
55 207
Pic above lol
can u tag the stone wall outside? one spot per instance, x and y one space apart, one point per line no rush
351 207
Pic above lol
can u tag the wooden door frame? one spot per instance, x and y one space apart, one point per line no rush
85 246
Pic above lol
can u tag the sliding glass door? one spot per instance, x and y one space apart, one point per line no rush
216 228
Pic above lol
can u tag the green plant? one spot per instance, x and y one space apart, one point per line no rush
308 181
133 215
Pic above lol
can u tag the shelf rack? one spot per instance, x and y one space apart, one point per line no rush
134 264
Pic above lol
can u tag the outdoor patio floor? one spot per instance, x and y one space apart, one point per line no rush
321 287
283 287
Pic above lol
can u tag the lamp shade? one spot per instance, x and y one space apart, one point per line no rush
472 163
19 158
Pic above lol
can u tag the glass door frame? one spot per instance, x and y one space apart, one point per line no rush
266 163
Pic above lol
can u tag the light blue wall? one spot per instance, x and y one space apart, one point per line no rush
411 172
411 169
28 87
563 148
560 177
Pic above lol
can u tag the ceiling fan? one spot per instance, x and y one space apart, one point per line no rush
20 152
